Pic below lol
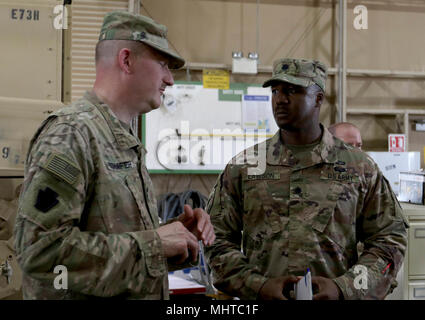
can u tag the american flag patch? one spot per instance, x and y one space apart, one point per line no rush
62 168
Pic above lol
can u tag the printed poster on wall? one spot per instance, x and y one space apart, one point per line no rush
257 113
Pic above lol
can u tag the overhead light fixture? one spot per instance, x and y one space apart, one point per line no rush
253 55
237 54
244 65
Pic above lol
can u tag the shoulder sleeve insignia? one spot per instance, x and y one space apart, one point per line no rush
62 168
46 200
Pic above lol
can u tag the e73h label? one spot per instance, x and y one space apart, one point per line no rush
25 14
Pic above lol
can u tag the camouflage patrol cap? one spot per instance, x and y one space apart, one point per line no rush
301 72
122 25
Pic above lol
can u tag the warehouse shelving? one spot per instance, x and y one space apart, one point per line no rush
342 73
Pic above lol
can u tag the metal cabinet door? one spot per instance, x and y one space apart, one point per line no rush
417 290
416 248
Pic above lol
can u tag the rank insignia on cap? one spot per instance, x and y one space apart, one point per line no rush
46 200
62 168
121 25
285 67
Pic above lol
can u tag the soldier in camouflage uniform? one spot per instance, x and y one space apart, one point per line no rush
348 133
88 203
316 199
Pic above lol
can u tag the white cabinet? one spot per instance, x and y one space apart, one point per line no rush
414 262
416 289
417 249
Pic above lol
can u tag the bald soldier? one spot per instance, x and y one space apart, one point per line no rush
348 133
88 204
316 199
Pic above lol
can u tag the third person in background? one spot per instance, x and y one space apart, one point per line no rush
348 133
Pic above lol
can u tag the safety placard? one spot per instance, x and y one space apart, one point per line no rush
215 79
396 142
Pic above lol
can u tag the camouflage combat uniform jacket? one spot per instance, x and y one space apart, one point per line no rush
306 213
88 204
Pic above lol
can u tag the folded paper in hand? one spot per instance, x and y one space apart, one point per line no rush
303 290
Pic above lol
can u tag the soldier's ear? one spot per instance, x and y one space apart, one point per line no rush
124 61
319 98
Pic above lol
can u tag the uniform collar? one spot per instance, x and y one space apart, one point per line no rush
279 154
123 137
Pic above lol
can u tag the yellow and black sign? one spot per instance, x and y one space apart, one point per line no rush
216 79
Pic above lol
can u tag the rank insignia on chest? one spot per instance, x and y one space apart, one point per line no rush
339 172
265 176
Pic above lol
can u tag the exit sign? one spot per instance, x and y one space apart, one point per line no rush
397 143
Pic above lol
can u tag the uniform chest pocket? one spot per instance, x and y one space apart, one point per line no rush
333 219
265 207
325 207
135 185
266 221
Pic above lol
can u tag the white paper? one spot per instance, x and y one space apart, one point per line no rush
257 113
303 290
180 283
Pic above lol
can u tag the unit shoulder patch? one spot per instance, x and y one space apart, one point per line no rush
46 200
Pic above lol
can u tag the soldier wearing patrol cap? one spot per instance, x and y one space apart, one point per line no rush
317 198
87 202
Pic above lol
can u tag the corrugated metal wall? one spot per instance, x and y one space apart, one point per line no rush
86 20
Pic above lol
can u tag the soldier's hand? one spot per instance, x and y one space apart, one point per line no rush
198 222
273 288
178 243
326 289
